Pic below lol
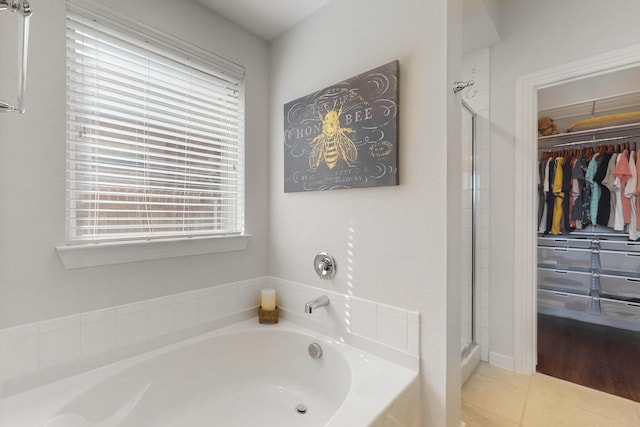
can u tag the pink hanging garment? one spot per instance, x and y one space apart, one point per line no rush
638 194
623 173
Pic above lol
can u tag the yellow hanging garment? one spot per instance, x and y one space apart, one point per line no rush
557 192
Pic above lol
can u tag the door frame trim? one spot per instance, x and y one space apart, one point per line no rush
526 155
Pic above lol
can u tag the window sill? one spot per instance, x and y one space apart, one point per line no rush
98 254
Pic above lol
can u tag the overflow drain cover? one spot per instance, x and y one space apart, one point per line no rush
301 408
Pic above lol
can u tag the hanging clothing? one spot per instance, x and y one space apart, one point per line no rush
580 192
637 194
595 188
541 197
586 196
623 174
573 195
542 225
559 197
550 200
566 192
609 183
604 202
630 193
618 223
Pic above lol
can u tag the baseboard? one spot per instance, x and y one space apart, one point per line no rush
501 361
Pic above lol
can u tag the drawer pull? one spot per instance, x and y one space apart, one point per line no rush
560 272
633 280
560 250
633 255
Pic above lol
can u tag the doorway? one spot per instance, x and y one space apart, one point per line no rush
525 272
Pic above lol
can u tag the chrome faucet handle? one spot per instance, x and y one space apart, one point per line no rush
324 265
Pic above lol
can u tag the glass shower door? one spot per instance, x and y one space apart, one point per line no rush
467 298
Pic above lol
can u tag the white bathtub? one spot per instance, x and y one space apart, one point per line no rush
242 375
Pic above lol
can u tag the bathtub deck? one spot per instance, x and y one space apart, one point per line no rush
186 384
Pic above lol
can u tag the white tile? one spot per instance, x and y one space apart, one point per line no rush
160 302
206 292
251 283
413 338
294 301
96 315
484 344
19 357
484 318
161 320
363 304
100 336
483 282
364 322
135 307
395 312
336 297
483 239
320 315
58 323
238 300
185 296
17 332
132 328
413 316
484 202
339 315
186 313
226 287
59 347
208 307
392 332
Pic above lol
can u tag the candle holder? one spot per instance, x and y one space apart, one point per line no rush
268 316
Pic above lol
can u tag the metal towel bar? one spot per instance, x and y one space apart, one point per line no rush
22 7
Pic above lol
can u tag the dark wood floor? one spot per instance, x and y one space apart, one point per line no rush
594 356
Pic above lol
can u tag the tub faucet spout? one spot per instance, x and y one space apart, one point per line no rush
316 303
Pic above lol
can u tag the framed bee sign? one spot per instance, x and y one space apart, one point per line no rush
344 136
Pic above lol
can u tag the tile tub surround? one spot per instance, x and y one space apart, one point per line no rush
38 353
395 329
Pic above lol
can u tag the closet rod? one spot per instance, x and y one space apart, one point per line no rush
591 142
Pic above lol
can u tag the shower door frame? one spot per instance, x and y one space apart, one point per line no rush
473 342
470 354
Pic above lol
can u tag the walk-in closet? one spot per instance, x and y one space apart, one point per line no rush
588 255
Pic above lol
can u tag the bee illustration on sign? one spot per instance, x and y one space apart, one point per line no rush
332 143
345 135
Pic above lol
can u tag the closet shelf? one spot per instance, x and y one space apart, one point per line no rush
593 136
565 115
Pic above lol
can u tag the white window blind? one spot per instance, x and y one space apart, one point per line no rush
154 137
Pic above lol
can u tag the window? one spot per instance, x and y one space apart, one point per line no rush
155 132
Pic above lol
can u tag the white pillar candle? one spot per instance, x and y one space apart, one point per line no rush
268 299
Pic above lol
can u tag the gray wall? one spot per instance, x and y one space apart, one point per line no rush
34 285
395 245
392 244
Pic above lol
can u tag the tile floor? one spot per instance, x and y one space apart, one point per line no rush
494 397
